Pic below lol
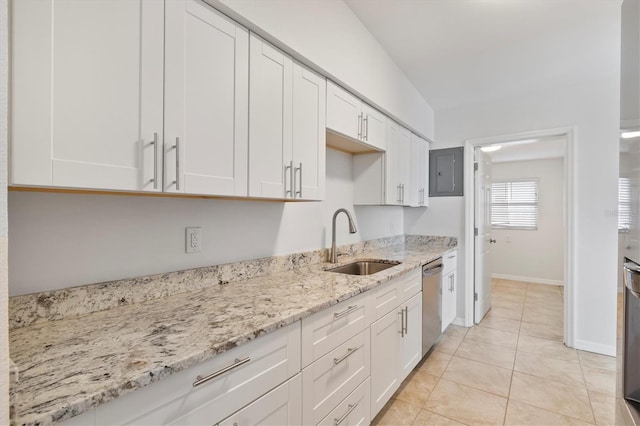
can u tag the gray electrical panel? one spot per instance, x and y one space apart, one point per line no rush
446 172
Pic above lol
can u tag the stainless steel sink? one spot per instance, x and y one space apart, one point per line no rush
365 267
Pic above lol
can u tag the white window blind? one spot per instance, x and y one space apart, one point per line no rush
514 204
624 204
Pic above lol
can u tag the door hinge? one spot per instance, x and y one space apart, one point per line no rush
475 232
475 167
475 297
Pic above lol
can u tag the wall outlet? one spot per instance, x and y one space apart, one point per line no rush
193 240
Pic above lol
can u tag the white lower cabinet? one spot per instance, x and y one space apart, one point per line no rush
260 366
354 410
396 348
281 406
330 379
449 288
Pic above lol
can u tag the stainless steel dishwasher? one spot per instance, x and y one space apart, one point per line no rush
431 306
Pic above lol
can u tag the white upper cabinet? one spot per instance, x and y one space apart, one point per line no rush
286 126
398 164
206 101
309 134
418 196
87 94
349 116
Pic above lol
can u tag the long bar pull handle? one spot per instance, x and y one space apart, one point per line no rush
350 352
237 363
401 322
288 190
177 148
406 320
360 126
350 408
155 160
399 199
345 312
366 129
299 182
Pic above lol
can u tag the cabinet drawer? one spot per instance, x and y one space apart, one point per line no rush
272 360
281 406
449 262
327 329
354 410
410 285
329 380
388 296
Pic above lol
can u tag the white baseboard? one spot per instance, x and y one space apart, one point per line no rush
528 279
585 345
458 321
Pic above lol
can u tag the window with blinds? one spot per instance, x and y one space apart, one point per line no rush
624 204
514 204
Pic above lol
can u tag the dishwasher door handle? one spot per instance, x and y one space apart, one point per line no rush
432 271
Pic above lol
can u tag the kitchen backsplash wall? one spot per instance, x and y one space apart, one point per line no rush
63 240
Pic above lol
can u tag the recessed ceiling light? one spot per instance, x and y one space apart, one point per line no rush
490 148
629 135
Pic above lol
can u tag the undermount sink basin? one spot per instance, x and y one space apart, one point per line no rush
364 267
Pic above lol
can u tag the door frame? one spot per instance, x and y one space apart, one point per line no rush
569 219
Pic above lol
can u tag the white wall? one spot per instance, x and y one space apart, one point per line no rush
533 255
330 37
594 111
63 240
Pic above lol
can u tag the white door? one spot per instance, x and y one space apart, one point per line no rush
398 164
87 93
309 134
483 235
206 101
270 115
344 111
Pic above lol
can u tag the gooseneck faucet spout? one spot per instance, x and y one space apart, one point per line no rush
352 230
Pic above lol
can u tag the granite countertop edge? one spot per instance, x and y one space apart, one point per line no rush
411 258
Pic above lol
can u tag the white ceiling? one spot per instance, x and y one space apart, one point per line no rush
459 52
536 149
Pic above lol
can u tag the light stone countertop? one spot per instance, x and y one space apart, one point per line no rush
70 365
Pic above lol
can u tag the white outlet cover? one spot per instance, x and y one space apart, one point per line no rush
193 240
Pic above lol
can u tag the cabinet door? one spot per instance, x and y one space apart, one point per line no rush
411 342
86 98
270 126
385 358
414 197
281 406
206 101
423 173
374 127
448 299
309 133
344 112
403 163
393 193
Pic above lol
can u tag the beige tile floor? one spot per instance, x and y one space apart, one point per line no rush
511 369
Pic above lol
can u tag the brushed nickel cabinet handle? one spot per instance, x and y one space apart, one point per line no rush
406 320
401 313
237 363
298 183
350 352
345 312
288 190
177 148
360 126
366 129
340 419
155 160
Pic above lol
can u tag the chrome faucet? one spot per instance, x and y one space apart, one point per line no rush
352 230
